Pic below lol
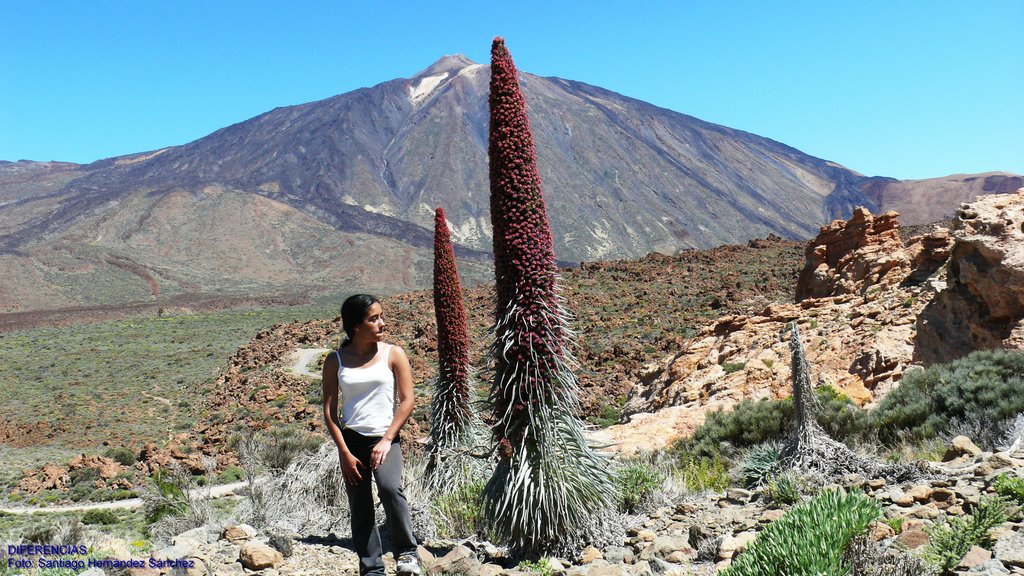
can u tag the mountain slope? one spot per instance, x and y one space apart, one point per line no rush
622 178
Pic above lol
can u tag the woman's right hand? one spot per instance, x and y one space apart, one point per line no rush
350 466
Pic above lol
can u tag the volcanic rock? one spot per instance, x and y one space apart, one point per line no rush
982 306
848 257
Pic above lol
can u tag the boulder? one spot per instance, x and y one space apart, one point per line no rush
108 468
237 533
1009 549
960 446
664 545
975 556
731 545
259 556
191 539
590 554
607 570
459 560
982 305
913 537
618 555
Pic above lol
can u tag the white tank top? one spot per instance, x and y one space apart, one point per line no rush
367 395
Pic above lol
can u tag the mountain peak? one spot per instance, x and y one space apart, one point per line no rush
448 63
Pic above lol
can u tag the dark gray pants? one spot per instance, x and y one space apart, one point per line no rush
365 536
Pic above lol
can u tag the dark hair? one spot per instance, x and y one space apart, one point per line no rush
353 312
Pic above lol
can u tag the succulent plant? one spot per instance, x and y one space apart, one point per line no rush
810 538
548 482
454 427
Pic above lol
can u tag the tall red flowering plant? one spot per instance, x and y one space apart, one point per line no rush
451 414
548 483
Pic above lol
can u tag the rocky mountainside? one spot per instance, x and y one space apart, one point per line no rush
339 194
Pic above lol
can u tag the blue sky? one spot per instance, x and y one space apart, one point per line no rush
902 89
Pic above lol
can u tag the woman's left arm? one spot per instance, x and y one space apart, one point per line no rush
399 364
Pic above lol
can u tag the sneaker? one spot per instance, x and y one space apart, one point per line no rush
408 564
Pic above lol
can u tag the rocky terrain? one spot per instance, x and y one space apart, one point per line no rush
862 302
663 340
697 535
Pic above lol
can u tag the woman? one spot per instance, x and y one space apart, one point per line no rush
369 374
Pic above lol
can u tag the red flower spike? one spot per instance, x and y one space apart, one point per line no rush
451 406
533 394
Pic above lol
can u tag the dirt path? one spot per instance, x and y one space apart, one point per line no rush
300 358
219 491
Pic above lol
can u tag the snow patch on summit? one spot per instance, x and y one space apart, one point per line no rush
471 69
425 87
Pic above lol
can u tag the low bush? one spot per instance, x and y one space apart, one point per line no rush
783 490
121 455
637 483
542 566
951 538
280 445
104 517
984 386
172 505
63 531
731 367
868 559
756 422
460 513
1010 487
82 476
702 474
81 492
810 539
231 474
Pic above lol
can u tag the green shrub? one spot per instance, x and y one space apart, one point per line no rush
280 445
637 482
951 538
984 386
104 517
120 494
731 367
782 490
810 538
121 455
83 476
460 513
757 467
1012 487
841 418
230 474
610 414
702 474
896 523
756 422
81 492
541 566
750 423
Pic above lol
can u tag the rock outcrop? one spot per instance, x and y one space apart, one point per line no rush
855 255
859 333
982 305
860 345
850 256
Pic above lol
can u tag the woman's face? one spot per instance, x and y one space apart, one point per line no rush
372 327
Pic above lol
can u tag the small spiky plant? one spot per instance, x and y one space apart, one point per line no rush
452 422
548 483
